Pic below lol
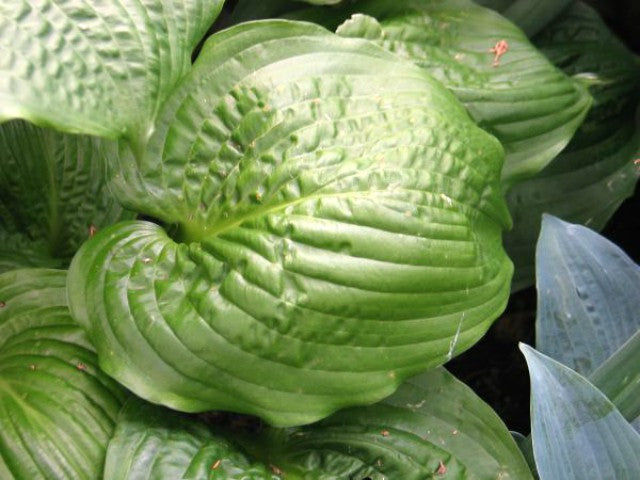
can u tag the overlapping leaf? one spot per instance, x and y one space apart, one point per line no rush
52 195
57 410
577 432
517 95
433 427
101 68
587 182
530 16
333 232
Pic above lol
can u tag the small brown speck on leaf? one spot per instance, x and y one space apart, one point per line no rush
92 230
81 366
442 468
32 367
455 432
384 433
498 50
216 464
636 161
2 304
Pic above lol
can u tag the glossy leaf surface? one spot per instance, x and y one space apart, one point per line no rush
588 181
52 195
577 432
517 95
57 409
101 68
433 426
335 232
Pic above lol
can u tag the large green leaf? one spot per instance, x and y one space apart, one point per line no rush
588 296
57 409
434 426
588 181
102 68
521 98
334 232
52 195
577 432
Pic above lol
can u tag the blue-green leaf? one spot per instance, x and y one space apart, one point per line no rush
588 296
577 432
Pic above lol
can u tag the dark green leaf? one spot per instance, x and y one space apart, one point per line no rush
57 410
433 427
101 68
587 182
521 98
52 195
335 232
530 16
577 432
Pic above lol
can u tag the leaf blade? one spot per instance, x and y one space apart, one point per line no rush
570 415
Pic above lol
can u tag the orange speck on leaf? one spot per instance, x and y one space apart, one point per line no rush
216 464
498 50
442 468
81 366
92 230
385 433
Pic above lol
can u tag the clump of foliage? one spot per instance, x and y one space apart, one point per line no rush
274 219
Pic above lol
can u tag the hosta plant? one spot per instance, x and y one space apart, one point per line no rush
295 218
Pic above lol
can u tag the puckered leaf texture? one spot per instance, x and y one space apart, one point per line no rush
509 88
53 195
329 232
101 68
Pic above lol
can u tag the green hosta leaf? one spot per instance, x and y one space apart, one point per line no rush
52 193
619 378
100 68
434 426
530 16
588 181
577 432
531 106
153 443
588 296
333 233
57 410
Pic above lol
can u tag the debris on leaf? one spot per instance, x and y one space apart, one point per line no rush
498 50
